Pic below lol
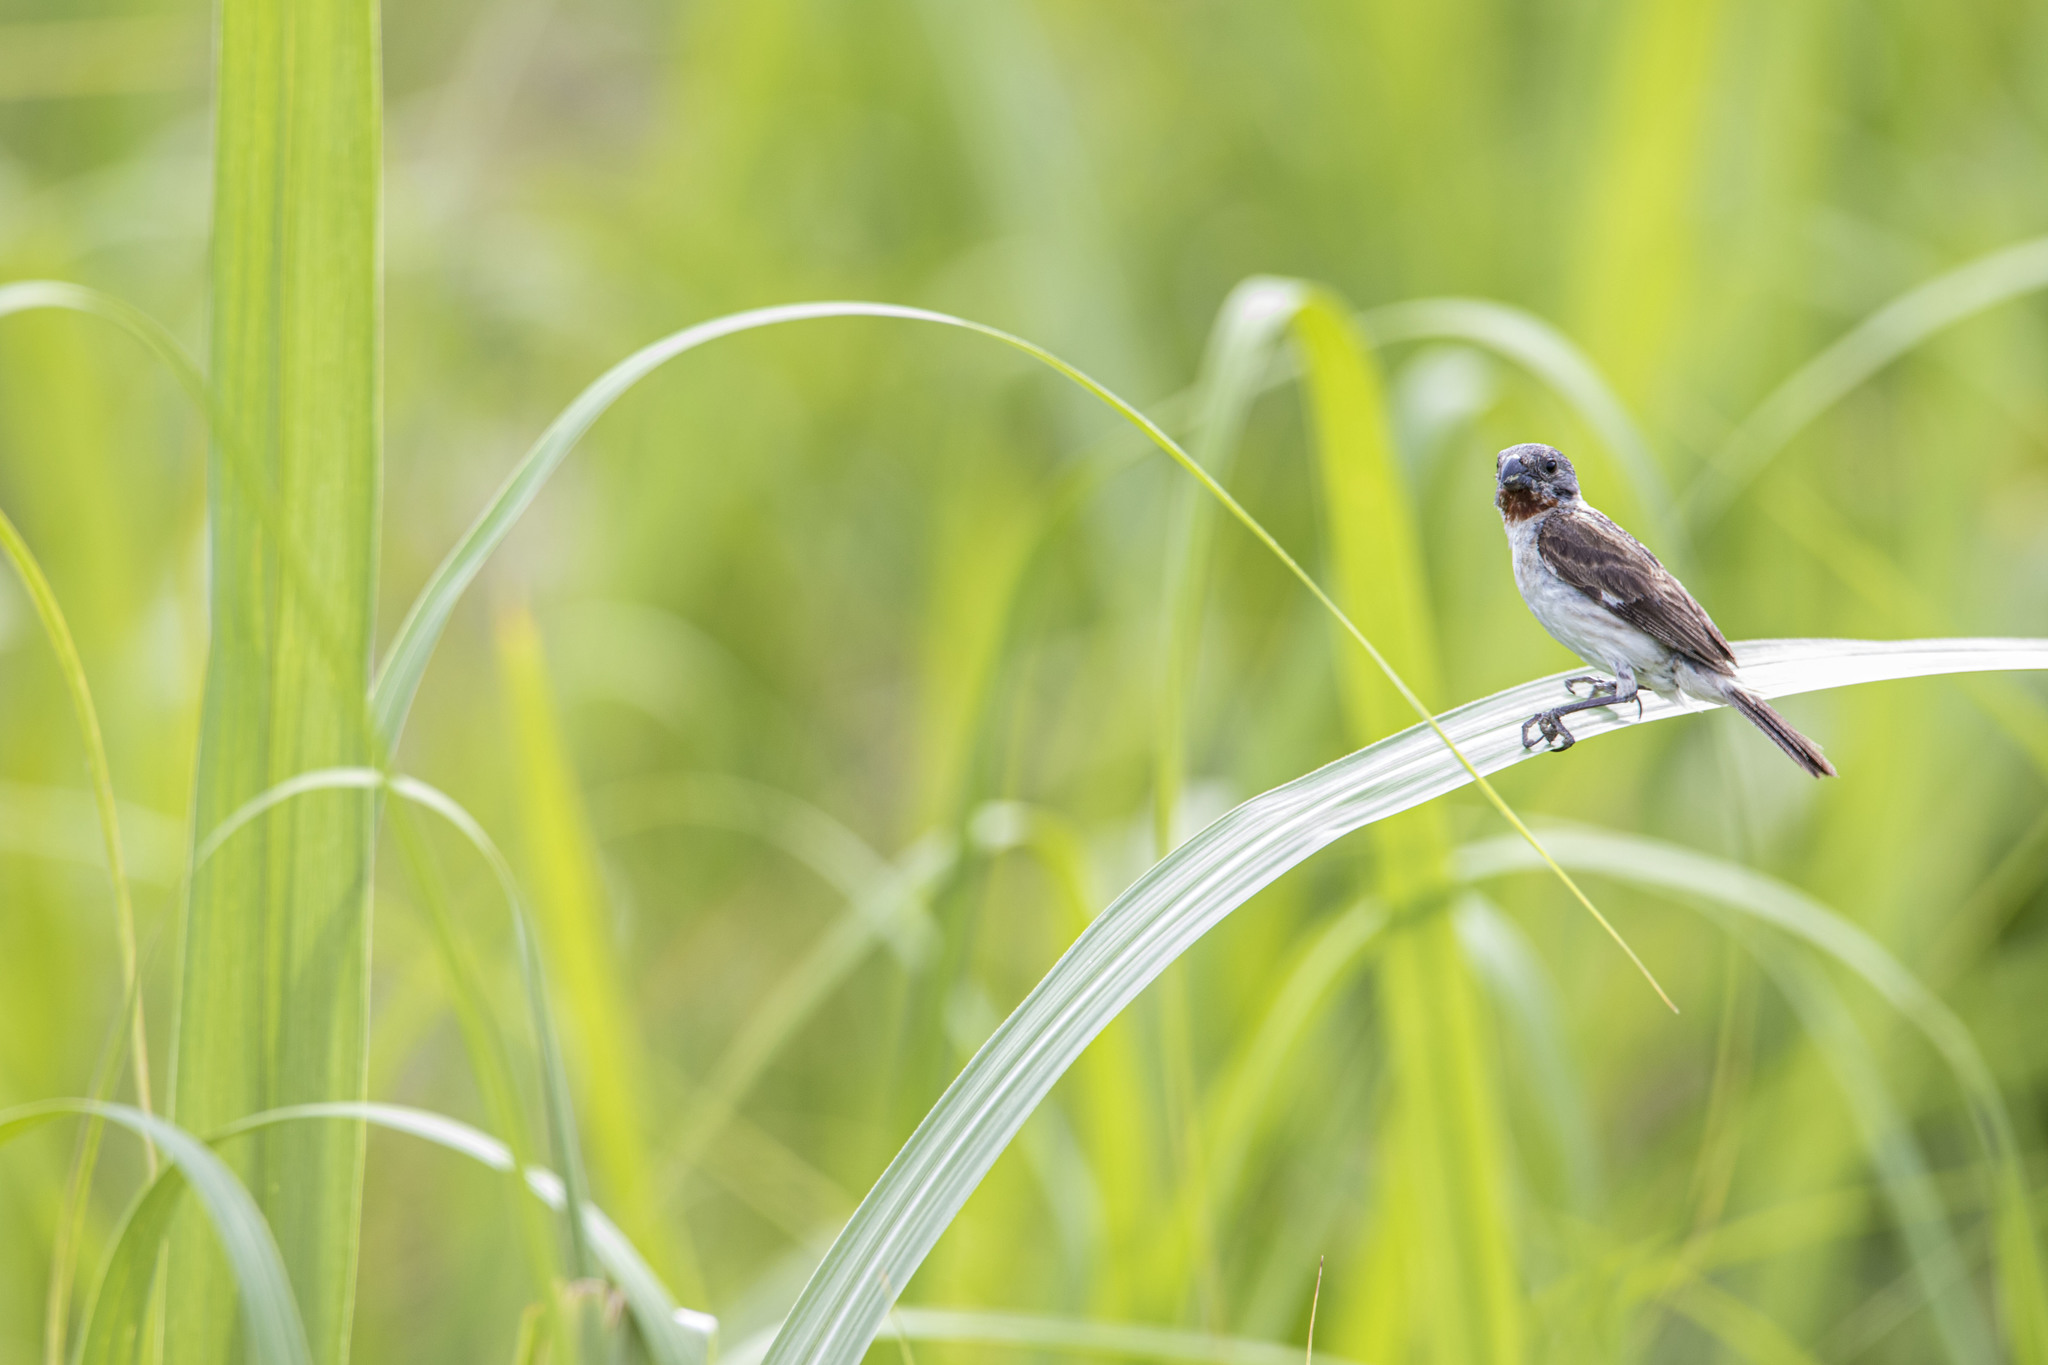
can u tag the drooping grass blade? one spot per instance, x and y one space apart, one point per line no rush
268 1310
1168 909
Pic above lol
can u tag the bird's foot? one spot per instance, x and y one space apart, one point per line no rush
1549 728
1603 687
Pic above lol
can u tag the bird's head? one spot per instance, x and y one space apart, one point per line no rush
1531 479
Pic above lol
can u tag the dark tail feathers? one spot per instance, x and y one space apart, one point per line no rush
1797 747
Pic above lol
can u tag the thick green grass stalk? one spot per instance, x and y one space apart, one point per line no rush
1442 1269
1440 1273
274 989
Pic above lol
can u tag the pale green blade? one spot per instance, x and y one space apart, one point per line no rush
269 1313
1168 909
274 991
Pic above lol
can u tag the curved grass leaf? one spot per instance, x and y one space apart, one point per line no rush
1732 890
19 298
1069 1336
270 1315
24 296
101 775
554 1078
397 681
672 1336
406 660
1241 352
1168 909
1377 567
1872 344
238 463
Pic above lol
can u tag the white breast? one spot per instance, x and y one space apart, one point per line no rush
1580 624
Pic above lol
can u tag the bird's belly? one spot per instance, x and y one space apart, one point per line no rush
1596 634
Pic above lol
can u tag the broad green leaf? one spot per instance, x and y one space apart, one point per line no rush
1235 370
269 1313
274 993
1187 893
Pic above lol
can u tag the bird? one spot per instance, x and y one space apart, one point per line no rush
1606 598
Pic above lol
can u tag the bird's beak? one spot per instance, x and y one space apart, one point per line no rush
1512 474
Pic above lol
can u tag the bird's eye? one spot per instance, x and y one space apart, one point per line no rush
1550 466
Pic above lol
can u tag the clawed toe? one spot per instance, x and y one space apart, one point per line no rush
1595 687
1549 727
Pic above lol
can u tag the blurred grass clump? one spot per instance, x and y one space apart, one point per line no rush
850 670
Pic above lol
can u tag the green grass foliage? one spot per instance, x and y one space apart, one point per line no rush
557 805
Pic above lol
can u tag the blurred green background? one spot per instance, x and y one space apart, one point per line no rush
809 601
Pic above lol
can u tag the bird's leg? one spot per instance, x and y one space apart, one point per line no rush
1549 725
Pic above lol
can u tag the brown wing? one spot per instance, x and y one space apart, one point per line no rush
1610 566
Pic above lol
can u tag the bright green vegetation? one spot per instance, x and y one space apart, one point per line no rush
764 859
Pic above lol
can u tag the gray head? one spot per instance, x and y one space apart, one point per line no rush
1533 478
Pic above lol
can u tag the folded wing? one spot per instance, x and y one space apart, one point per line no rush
1612 567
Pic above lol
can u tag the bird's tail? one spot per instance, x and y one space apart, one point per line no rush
1797 747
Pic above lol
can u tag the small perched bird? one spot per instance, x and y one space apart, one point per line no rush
1607 599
